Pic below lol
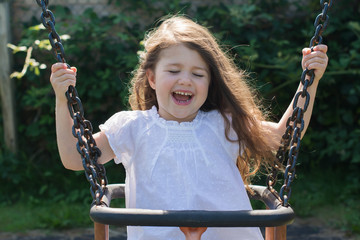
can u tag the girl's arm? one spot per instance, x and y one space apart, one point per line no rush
61 78
316 60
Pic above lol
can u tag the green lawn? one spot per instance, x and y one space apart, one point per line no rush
324 195
24 216
314 195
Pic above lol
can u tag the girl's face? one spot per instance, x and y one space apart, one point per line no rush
181 81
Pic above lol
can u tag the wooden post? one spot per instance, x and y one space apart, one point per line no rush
101 231
275 233
6 84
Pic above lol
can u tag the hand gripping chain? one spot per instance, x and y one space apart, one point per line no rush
290 142
82 128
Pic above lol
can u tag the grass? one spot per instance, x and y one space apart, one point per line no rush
23 216
342 217
323 195
315 194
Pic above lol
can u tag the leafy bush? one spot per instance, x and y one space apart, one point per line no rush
265 38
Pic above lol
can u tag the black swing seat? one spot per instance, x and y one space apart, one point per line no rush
275 215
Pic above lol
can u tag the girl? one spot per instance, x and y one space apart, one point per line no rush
196 133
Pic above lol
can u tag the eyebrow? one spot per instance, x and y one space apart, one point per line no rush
180 65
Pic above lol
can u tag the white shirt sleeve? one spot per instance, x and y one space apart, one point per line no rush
120 131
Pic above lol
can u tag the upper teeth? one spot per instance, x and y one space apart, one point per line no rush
184 93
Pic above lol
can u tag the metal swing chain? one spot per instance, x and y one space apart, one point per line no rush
82 128
290 142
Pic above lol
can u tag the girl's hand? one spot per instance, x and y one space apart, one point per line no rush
61 78
316 60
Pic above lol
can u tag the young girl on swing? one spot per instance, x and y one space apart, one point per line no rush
196 132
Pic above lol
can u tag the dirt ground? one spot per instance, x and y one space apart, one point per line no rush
301 229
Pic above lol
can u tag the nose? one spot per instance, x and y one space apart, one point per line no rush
185 79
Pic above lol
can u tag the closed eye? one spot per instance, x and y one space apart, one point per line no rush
198 75
174 71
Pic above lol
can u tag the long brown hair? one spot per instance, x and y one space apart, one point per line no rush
229 92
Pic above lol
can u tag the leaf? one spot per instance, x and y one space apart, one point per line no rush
37 27
37 71
17 48
355 27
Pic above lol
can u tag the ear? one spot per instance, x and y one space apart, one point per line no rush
151 77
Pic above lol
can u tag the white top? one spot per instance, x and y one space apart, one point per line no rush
178 166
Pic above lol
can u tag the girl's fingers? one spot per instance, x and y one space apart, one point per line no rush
306 51
316 66
61 78
316 60
57 66
315 54
318 48
61 72
322 48
64 77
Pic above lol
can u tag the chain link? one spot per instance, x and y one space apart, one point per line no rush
290 142
82 129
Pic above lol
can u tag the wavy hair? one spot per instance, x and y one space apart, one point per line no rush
229 92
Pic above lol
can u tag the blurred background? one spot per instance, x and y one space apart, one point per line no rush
102 38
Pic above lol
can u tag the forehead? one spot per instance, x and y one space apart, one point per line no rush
181 55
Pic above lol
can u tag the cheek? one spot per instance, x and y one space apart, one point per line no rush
206 85
204 89
165 87
163 90
166 83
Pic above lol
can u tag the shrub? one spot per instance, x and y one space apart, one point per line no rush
265 38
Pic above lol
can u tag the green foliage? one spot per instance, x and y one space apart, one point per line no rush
264 37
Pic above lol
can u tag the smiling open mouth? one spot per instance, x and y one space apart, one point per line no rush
182 97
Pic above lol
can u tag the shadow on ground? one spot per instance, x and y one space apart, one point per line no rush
301 229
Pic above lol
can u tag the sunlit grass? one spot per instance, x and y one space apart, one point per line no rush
314 194
322 195
23 216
